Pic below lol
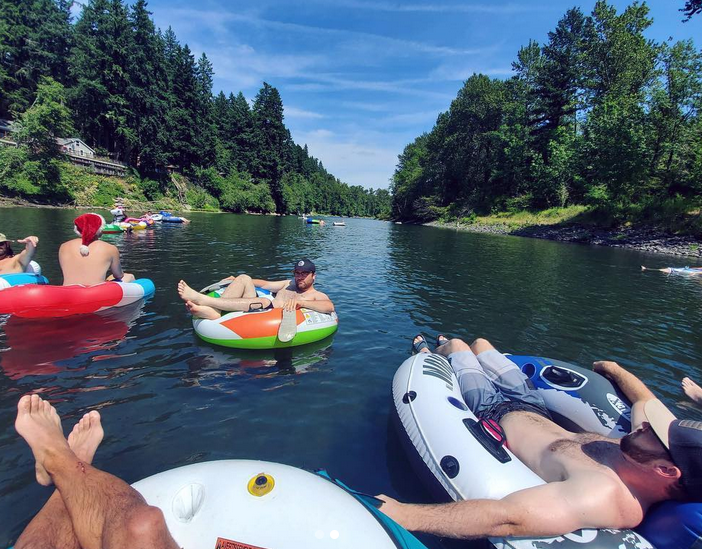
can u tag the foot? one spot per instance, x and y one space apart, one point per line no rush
692 390
419 344
40 426
202 311
186 293
441 339
86 436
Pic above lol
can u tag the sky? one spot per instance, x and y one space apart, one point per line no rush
361 79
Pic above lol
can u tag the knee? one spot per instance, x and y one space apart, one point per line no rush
146 524
244 279
480 345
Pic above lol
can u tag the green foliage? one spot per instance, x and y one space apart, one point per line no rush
599 116
46 120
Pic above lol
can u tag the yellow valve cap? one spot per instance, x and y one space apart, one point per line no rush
261 484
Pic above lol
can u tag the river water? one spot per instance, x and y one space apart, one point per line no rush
168 399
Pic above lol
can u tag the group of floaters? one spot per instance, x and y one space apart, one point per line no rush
85 263
123 223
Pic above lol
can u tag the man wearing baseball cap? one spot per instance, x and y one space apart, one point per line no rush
11 263
87 260
241 295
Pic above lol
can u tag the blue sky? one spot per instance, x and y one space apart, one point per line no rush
360 79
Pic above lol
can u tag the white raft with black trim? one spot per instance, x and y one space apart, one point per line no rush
454 455
242 504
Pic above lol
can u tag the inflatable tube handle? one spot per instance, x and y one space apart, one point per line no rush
483 433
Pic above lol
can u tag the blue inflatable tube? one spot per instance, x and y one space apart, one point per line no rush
17 279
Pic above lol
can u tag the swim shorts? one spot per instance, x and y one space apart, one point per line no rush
493 386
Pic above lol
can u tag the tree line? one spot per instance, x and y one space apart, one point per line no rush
137 94
597 115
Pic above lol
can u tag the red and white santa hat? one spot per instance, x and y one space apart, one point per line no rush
89 227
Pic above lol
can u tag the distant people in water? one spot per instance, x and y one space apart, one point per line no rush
241 295
669 270
87 260
16 263
118 212
692 390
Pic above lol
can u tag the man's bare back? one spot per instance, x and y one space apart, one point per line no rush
91 269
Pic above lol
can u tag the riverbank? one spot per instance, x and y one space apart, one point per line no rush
643 239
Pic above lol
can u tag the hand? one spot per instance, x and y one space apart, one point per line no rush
291 304
604 367
392 508
30 241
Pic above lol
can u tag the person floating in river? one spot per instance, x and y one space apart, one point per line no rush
241 295
87 260
592 481
90 508
10 262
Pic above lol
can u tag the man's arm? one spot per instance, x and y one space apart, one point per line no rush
26 255
115 265
271 286
633 388
548 510
319 305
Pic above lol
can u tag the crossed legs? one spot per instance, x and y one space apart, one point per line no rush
90 508
240 295
486 377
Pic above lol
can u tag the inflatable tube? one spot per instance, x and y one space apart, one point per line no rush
134 220
242 504
172 219
33 301
578 398
156 217
113 228
686 270
259 329
444 441
312 221
135 226
31 275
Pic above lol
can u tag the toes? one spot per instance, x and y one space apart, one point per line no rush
24 404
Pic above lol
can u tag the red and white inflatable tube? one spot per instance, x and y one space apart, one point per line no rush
34 301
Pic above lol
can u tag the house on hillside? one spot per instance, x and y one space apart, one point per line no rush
76 147
5 128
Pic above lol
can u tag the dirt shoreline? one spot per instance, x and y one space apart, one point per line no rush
642 239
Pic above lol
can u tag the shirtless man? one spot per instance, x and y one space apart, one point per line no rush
593 481
240 295
11 263
86 260
90 509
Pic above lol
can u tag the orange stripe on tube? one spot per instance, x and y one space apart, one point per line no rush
265 324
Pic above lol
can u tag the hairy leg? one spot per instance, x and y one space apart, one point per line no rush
187 294
52 527
242 286
104 510
452 346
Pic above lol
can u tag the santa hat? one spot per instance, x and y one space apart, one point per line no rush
89 227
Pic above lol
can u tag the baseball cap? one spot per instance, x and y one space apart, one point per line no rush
683 439
305 265
3 238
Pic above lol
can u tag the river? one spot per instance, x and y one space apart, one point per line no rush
168 399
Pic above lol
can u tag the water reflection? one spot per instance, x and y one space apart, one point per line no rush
224 369
39 346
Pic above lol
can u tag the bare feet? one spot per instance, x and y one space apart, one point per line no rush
202 311
86 436
186 293
692 390
40 426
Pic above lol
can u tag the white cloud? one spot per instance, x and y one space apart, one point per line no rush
451 72
442 8
293 112
356 162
